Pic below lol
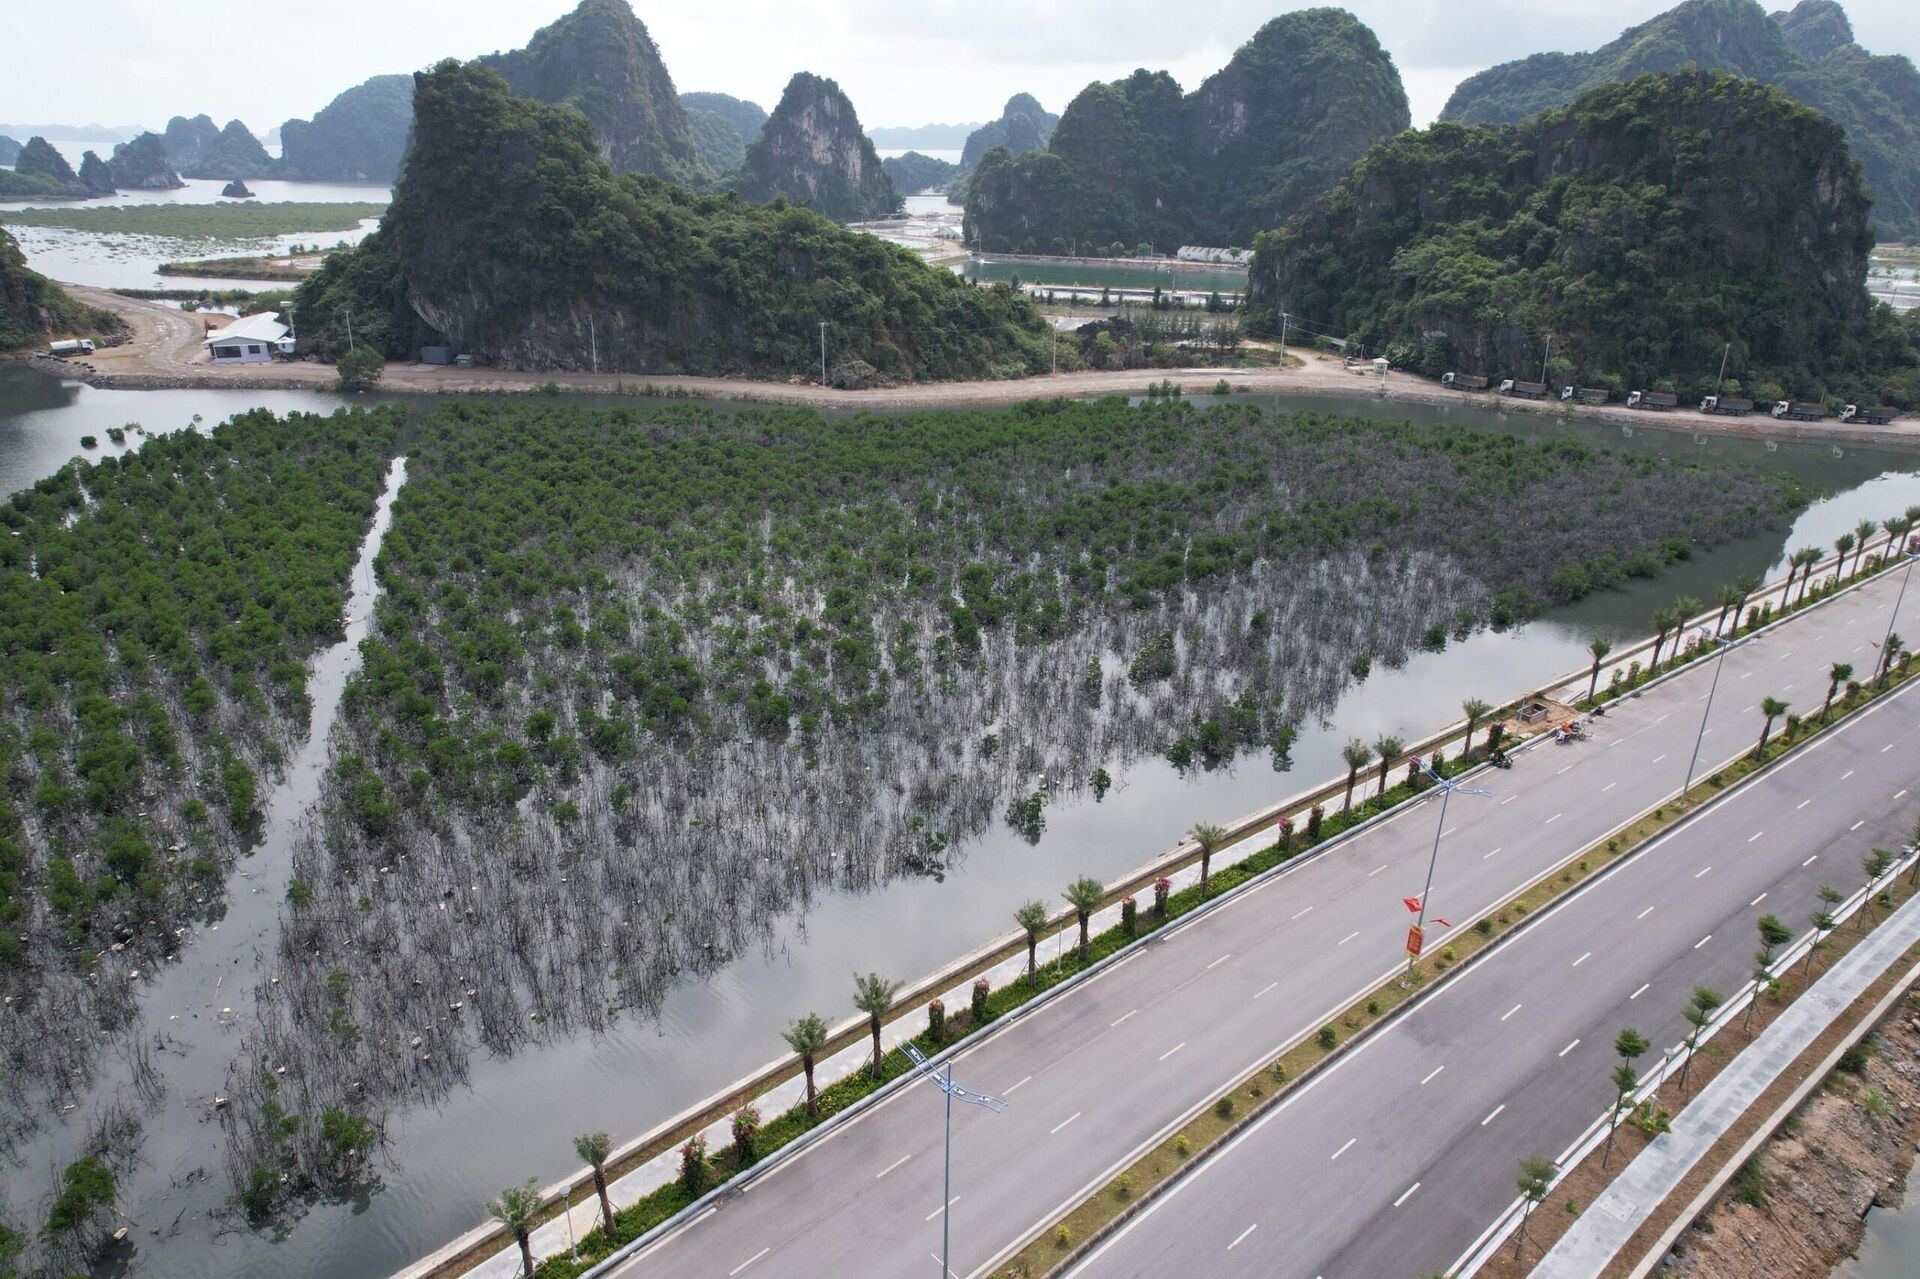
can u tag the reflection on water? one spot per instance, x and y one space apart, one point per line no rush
518 1115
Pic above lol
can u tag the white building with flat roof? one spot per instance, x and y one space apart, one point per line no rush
251 339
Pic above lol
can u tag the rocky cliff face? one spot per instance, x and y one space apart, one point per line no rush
510 237
600 60
41 172
9 149
361 136
813 151
1024 125
1642 226
1809 52
142 165
188 140
1136 162
235 153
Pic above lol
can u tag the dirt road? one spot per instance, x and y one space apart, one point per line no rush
165 351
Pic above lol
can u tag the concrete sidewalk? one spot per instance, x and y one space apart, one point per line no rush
1598 1235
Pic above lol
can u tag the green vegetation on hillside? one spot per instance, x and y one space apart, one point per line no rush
235 153
203 221
40 172
1618 226
360 136
812 151
1808 52
1135 162
722 127
913 172
510 237
1024 125
34 310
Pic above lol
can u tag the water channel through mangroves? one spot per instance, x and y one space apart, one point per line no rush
518 1114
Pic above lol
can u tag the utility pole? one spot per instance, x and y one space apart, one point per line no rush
1447 787
944 1082
1722 379
1545 359
1718 662
1056 346
1283 333
593 342
823 353
349 311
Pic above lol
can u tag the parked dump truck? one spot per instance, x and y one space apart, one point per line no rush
1726 405
1524 390
1584 394
1878 416
1464 381
1661 400
1800 410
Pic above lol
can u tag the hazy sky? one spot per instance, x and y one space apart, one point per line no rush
902 61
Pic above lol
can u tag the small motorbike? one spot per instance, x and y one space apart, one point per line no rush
1500 759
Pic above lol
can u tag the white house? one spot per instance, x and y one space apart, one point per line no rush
252 339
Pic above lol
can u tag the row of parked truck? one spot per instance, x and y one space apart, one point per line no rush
1660 401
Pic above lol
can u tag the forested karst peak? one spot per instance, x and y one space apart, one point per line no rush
1808 52
813 151
600 60
1136 161
512 238
1024 125
360 136
1645 226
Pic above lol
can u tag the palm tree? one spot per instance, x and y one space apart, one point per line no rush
1536 1178
1897 527
1728 597
1388 749
1843 544
808 1037
1476 710
1804 558
873 995
1629 1044
1599 646
1823 921
1773 708
1894 645
594 1148
1688 606
1664 620
1876 864
1033 917
1773 935
1356 753
1210 838
1699 1015
1084 895
1837 675
516 1209
1864 530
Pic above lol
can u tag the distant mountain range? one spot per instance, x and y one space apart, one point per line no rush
922 137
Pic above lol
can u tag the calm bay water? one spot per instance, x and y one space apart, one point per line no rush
518 1117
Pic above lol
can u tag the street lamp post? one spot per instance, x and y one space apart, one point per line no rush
1447 788
953 1091
1694 759
1886 653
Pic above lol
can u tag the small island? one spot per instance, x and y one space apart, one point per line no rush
236 190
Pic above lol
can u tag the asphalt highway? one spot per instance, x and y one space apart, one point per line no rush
1116 1064
1393 1164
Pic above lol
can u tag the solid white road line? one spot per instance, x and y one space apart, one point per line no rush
937 1211
1583 959
1264 989
1703 941
1802 804
1756 835
1643 914
1375 871
1307 911
1609 786
1508 800
1857 825
1569 1048
1489 855
1344 1149
749 1261
1430 1074
1564 771
1756 901
1495 1115
1241 1237
1704 869
1643 990
1223 959
1064 1122
1406 1194
1171 1051
1551 820
1122 1017
1510 1012
890 1167
1008 1092
1658 758
1849 773
1811 860
1344 940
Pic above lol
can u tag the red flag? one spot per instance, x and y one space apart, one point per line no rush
1412 904
1443 923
